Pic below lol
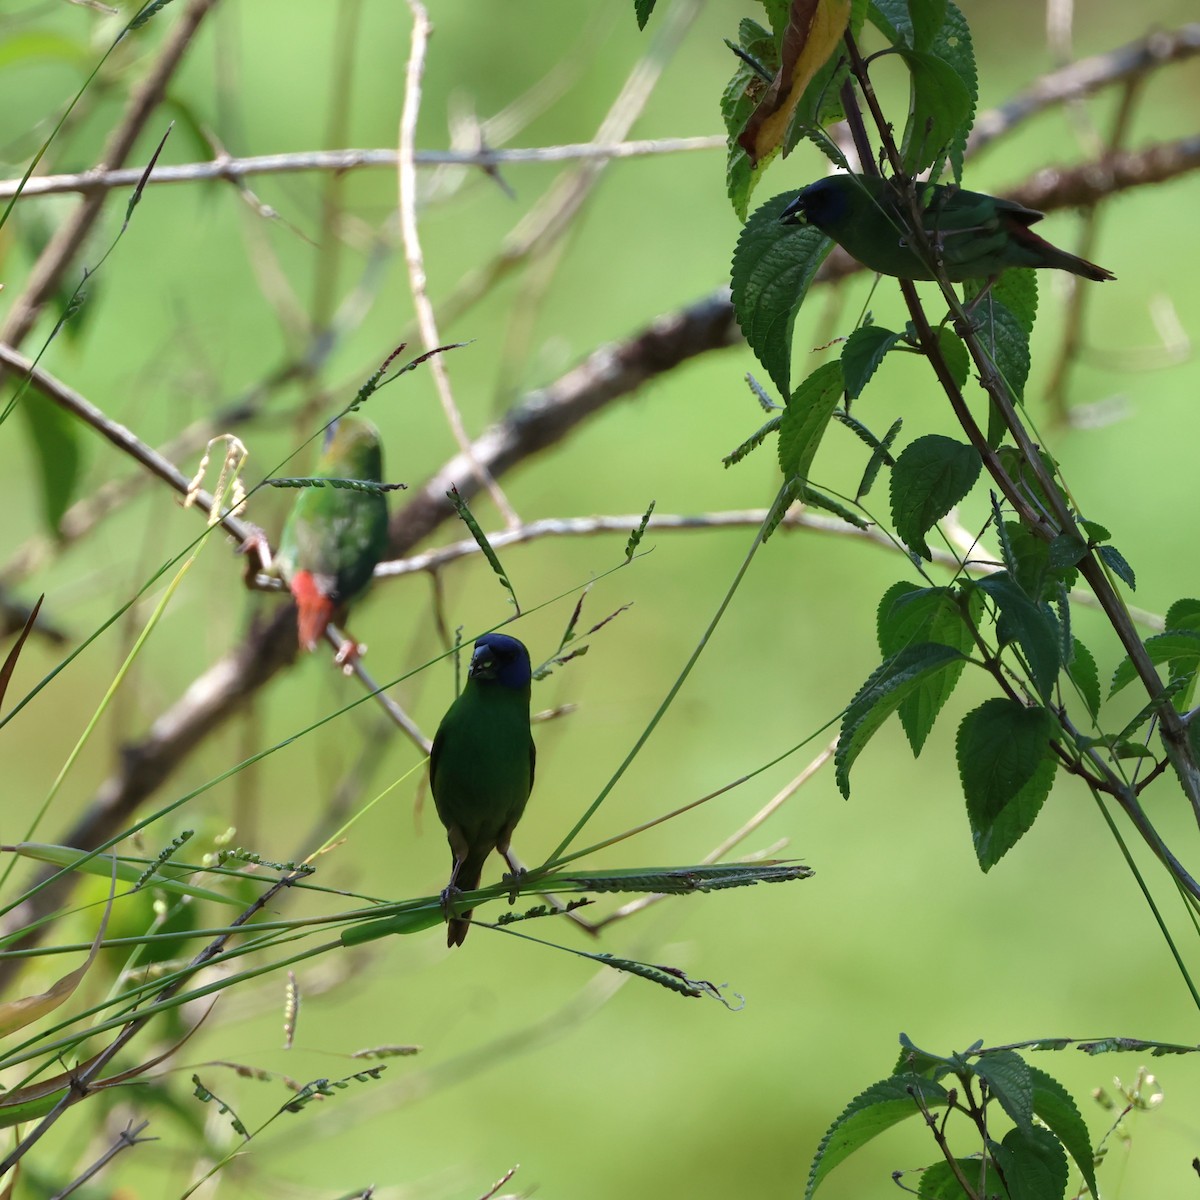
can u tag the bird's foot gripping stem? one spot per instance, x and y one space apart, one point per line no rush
513 879
450 894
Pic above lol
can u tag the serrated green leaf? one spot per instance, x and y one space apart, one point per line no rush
1183 614
1179 647
940 104
864 350
869 1114
1116 563
954 351
886 688
930 477
1065 550
907 615
940 1182
927 17
891 18
1096 532
1085 675
773 266
54 435
1006 767
806 418
777 14
915 1061
642 10
1010 1079
1034 1164
1026 623
1006 343
1030 562
952 45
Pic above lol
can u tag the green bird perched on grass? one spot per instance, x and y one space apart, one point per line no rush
481 766
973 235
334 536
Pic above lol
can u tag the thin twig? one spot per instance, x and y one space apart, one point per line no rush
426 321
124 440
1083 78
231 169
126 1140
553 216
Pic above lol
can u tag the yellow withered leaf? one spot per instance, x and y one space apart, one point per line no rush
16 1014
814 32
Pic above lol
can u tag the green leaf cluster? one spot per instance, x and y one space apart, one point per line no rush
1029 1161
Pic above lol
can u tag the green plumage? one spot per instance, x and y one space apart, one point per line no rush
482 764
973 235
334 536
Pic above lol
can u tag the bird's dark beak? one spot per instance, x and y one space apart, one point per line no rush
794 214
483 665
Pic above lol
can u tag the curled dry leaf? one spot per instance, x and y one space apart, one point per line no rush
814 29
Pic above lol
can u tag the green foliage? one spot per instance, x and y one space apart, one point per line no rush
1006 766
54 436
930 477
901 677
864 350
869 1114
773 266
468 519
908 616
760 48
642 10
1030 1158
806 419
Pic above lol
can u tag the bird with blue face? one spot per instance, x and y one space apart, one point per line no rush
481 767
973 235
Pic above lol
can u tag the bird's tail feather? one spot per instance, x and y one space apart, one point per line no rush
467 881
1060 259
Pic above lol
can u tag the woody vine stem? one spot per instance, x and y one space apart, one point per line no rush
1042 524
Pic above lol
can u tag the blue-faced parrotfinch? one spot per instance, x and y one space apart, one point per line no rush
334 536
481 766
972 235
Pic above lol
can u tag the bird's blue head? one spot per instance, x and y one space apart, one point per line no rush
500 659
823 204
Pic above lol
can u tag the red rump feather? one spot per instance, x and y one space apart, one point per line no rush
314 610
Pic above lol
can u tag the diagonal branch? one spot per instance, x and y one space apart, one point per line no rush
66 243
544 419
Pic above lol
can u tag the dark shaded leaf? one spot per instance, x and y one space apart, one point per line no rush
886 688
773 265
930 477
1007 767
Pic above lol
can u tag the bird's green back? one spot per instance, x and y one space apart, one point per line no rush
482 763
340 533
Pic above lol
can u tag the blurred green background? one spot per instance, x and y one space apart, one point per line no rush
528 1055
